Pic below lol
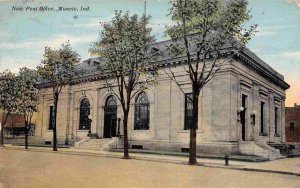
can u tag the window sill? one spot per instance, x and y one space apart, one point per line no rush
263 134
276 135
82 130
188 131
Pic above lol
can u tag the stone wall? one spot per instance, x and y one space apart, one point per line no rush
219 128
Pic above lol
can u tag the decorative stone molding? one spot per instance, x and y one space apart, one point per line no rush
255 83
241 55
277 98
263 93
246 84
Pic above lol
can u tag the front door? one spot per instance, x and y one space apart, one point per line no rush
110 124
110 117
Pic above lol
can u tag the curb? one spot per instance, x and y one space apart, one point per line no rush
208 165
200 155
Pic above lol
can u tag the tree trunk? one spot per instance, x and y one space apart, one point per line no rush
194 126
54 122
2 134
4 120
26 135
125 123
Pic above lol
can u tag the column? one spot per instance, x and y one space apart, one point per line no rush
72 108
163 110
68 116
271 119
100 111
42 115
95 109
256 111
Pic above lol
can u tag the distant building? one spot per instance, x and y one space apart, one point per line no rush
14 126
241 110
292 123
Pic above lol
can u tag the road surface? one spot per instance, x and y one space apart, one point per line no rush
31 169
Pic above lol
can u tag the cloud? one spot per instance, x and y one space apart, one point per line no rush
266 31
137 1
294 55
94 24
275 29
297 2
55 42
34 49
158 25
15 63
257 50
4 34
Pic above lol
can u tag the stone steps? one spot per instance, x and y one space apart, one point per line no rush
275 156
259 149
283 148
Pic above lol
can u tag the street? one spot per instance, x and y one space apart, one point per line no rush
47 169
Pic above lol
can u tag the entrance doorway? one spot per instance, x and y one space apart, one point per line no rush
243 116
110 117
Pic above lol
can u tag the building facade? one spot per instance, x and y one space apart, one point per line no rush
15 125
292 122
241 110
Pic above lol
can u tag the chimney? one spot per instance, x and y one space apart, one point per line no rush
295 104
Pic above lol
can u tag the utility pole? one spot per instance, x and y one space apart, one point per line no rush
145 8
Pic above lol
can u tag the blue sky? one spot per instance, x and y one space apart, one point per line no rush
24 34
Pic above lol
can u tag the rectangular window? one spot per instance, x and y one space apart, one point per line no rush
292 126
188 112
276 121
243 116
262 119
51 117
244 98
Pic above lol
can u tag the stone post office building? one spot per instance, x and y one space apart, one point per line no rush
241 110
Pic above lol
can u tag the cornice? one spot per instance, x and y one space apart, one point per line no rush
262 70
172 62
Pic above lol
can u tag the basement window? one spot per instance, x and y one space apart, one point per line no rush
185 150
137 146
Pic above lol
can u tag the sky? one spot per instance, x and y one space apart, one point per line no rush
25 33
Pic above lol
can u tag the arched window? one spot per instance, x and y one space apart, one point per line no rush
141 115
111 101
110 105
84 122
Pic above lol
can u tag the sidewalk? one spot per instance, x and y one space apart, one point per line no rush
289 166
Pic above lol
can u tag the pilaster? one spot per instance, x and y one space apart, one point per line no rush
282 124
68 116
256 111
94 110
72 108
271 116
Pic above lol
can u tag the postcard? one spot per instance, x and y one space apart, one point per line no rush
149 93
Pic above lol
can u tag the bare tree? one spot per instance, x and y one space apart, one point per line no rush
203 31
57 69
124 48
28 98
